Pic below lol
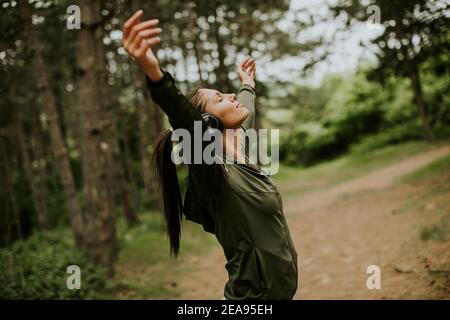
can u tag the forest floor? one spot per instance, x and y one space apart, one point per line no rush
389 208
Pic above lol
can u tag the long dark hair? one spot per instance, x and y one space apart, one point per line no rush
167 172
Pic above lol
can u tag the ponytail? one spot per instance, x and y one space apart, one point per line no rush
167 173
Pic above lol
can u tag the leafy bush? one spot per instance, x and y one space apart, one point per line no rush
309 143
353 110
35 268
397 134
362 116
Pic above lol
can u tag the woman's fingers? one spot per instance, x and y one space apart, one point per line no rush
131 22
246 63
149 32
144 34
145 45
139 27
135 29
250 66
243 63
247 68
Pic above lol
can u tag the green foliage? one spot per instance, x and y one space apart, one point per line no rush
352 110
36 269
394 135
308 143
439 231
144 252
432 170
361 115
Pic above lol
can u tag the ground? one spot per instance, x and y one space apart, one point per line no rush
381 209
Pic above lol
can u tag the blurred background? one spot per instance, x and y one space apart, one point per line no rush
358 89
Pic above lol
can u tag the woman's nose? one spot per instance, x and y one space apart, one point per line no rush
233 97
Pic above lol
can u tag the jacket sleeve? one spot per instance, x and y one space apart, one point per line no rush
246 96
180 111
182 114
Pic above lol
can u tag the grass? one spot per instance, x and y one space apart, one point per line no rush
436 177
429 171
439 231
437 174
145 269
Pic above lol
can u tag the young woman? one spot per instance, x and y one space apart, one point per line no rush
235 201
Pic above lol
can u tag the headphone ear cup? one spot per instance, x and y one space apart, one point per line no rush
212 121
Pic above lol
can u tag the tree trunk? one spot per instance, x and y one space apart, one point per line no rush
122 193
127 191
39 201
156 127
155 121
57 143
222 71
416 86
142 121
39 154
10 218
128 157
199 65
100 235
128 162
192 18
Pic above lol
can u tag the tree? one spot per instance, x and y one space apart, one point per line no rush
57 142
97 151
413 32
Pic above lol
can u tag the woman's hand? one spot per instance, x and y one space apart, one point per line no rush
138 39
246 71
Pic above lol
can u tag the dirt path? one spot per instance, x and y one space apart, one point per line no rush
339 232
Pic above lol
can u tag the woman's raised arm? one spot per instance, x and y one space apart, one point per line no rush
138 39
246 95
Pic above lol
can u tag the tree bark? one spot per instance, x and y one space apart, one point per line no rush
100 235
57 142
8 202
128 161
192 18
39 154
127 191
39 201
419 100
222 71
155 121
156 127
142 121
122 193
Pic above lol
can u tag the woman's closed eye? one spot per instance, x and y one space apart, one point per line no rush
219 97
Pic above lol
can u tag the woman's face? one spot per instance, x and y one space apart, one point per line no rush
226 107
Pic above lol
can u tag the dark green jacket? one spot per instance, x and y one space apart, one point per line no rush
241 206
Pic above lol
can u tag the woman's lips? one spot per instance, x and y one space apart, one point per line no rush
238 105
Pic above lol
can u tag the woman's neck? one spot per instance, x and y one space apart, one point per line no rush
231 142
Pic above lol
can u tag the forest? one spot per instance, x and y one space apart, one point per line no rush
353 86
